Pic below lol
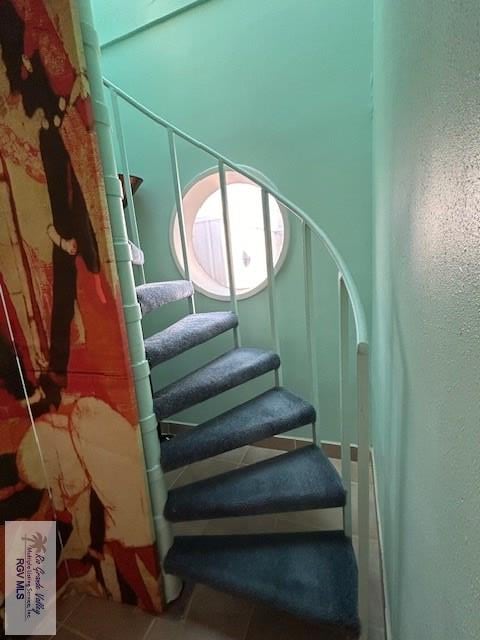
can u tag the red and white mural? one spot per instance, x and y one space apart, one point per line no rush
70 445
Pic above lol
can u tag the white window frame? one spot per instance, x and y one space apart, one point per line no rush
210 287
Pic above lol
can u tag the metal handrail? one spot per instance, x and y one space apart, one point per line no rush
348 297
354 296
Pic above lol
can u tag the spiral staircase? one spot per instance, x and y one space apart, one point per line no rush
312 575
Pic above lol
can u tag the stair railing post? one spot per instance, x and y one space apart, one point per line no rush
130 210
271 280
312 353
228 248
363 422
343 305
177 190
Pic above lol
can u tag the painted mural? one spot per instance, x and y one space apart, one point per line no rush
70 444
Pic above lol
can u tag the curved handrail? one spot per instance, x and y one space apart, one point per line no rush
348 296
353 294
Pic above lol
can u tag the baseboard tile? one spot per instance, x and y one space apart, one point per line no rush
276 442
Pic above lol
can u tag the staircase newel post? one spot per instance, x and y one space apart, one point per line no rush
228 247
130 210
271 280
132 312
178 196
343 304
363 418
310 326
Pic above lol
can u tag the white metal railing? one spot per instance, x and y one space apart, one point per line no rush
228 246
348 298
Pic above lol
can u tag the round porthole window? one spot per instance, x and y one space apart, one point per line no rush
205 235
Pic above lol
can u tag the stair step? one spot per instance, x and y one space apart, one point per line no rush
267 415
156 294
229 370
188 332
310 575
296 481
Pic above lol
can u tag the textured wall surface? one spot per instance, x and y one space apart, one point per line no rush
282 86
426 324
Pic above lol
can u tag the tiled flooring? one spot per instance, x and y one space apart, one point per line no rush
204 614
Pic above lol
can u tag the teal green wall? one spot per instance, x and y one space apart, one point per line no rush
283 86
426 313
118 18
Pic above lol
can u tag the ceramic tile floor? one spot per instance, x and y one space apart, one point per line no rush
205 614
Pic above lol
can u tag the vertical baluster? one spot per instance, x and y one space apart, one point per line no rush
312 353
271 279
177 188
344 433
130 211
363 481
228 246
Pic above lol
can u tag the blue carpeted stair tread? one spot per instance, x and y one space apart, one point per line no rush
295 481
273 412
188 332
156 294
229 370
312 575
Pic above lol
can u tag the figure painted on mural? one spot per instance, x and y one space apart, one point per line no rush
39 71
76 374
9 321
103 550
17 498
14 376
9 373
